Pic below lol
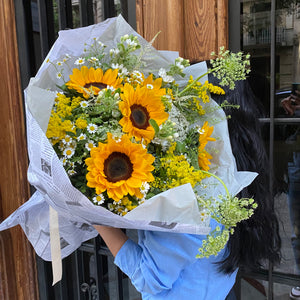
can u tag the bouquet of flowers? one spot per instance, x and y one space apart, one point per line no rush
121 134
125 135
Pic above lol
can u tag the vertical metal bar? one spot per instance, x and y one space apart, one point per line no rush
77 273
25 41
234 27
46 20
109 9
124 9
272 102
99 267
131 13
120 284
86 12
65 19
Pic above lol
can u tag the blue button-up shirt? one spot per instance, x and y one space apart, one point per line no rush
164 266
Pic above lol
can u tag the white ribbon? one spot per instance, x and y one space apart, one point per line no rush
55 246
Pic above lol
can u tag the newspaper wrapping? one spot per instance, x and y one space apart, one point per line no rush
175 210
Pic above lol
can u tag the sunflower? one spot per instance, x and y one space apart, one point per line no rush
154 84
204 135
203 159
138 107
90 81
119 167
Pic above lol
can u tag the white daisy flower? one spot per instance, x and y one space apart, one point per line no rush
145 188
149 86
137 74
79 61
71 172
99 199
84 104
59 63
92 128
81 137
110 206
64 160
69 152
59 75
89 145
100 44
67 140
93 59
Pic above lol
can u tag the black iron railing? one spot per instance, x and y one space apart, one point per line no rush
89 272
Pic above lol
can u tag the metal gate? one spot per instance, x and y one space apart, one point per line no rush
88 273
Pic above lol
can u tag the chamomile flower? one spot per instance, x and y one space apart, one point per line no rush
64 160
89 145
67 140
79 61
92 128
145 188
59 75
81 137
71 172
99 199
84 104
66 58
69 152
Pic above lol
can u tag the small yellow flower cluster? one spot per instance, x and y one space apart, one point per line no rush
195 104
58 126
200 88
123 206
178 171
81 123
213 88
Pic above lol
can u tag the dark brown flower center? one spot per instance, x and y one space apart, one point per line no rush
99 85
117 167
139 116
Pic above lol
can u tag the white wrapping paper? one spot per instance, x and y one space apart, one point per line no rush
175 210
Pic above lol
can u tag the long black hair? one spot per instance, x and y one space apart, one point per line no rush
257 239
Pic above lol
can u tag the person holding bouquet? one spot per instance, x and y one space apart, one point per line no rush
163 265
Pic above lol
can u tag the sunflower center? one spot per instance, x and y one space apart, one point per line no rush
117 167
139 116
98 85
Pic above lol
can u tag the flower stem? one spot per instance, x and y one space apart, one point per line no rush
220 180
194 81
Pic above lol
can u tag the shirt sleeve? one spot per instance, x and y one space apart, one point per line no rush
156 262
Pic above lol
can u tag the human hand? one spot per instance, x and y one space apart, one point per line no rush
291 103
114 238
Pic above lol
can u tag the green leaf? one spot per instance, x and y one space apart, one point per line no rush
180 147
154 125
